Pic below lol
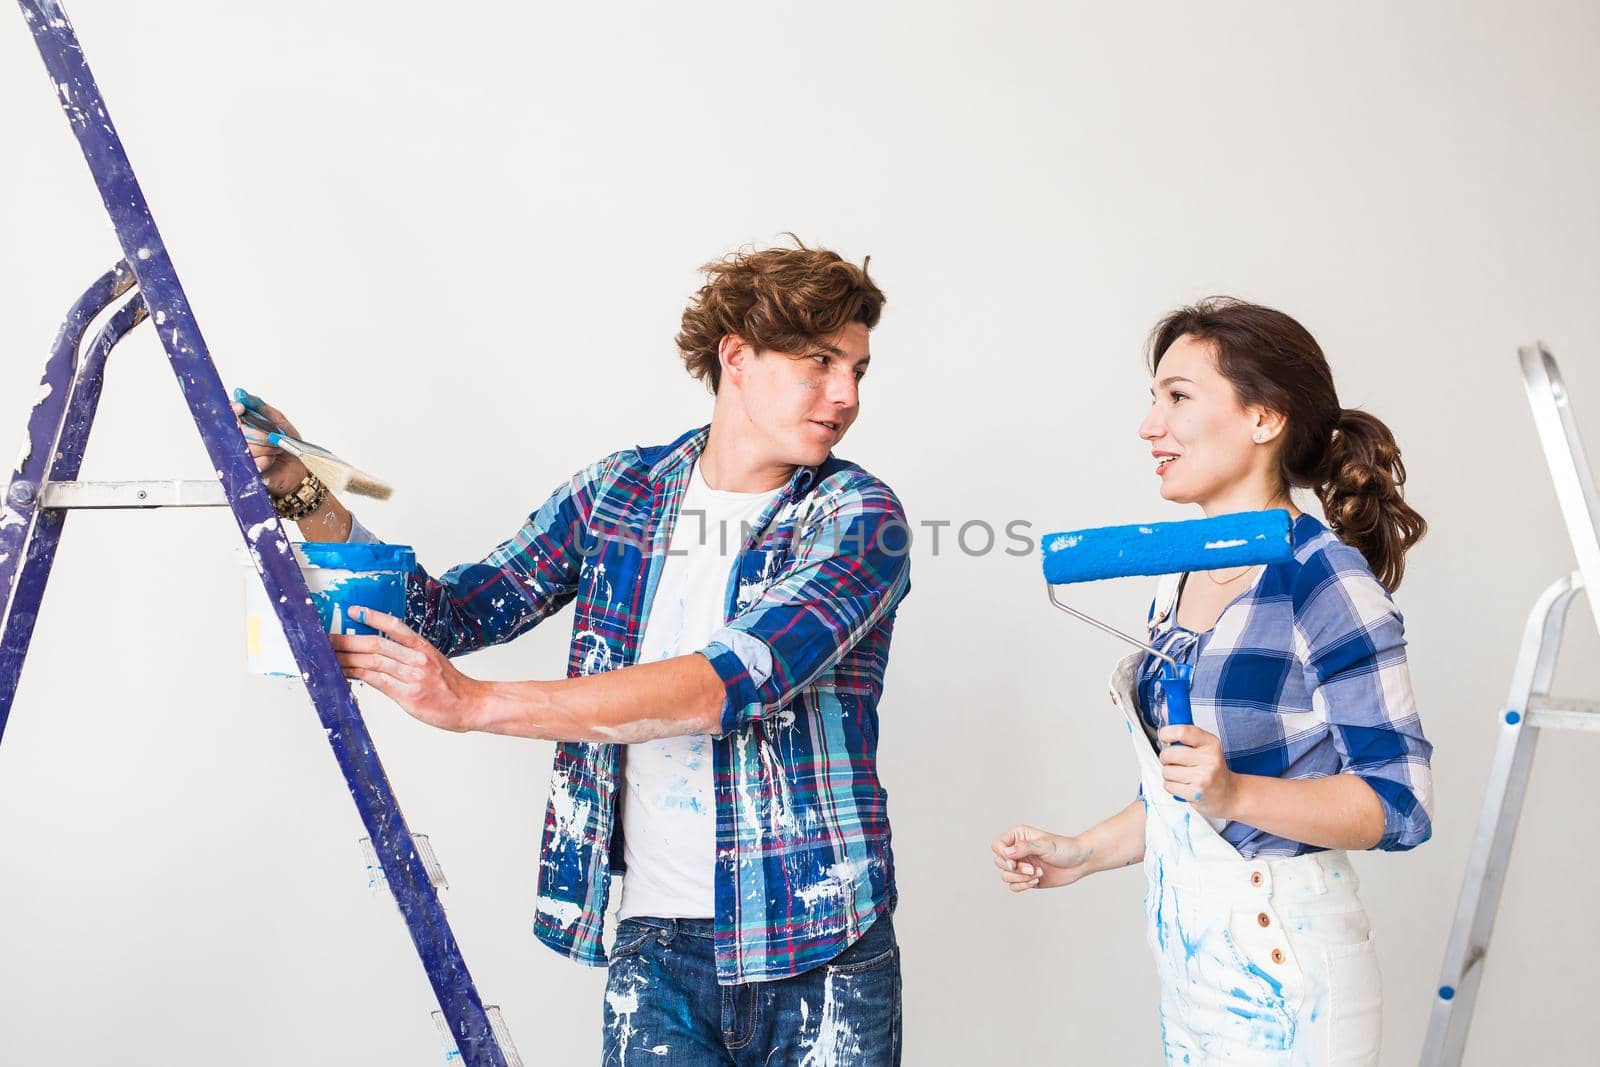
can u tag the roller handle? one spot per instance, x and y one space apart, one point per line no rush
1175 679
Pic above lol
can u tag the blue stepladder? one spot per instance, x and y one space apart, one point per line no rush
44 488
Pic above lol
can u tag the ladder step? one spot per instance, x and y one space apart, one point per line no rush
1563 713
497 1023
172 493
377 880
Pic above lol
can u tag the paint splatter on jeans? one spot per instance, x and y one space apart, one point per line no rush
664 1008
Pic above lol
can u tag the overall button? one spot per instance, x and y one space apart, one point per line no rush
1264 919
1277 955
1256 879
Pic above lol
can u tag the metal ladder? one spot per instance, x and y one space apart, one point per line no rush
44 488
1529 708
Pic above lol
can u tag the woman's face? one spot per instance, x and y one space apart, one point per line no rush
1206 445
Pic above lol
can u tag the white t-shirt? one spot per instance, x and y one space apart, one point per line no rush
669 814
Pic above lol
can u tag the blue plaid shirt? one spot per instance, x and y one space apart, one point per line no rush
803 865
1304 676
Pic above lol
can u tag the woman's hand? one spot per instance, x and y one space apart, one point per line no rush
1194 769
1030 858
403 667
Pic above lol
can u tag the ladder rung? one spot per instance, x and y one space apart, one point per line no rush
164 494
1563 713
377 879
497 1024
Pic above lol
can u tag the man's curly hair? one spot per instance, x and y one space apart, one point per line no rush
785 299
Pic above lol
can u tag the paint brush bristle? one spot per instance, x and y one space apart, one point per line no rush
338 475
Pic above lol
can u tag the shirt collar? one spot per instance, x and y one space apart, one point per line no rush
687 449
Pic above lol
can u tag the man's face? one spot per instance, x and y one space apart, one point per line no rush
799 405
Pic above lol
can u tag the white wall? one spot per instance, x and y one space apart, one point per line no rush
455 242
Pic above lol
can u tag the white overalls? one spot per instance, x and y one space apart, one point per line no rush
1265 961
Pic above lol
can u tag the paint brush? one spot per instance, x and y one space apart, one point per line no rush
340 476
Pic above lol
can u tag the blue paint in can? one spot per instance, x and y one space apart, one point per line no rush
339 576
368 576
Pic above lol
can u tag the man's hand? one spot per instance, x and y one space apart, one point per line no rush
403 667
1030 858
1194 769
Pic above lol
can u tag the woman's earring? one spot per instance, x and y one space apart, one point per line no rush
1260 437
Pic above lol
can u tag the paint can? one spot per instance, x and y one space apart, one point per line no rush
339 576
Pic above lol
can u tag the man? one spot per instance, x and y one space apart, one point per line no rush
718 729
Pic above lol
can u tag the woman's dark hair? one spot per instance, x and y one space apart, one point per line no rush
1348 457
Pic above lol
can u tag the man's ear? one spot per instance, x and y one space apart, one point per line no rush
732 352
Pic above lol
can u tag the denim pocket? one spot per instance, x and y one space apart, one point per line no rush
1355 1003
882 959
860 1010
875 948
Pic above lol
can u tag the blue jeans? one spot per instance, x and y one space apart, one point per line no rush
664 1007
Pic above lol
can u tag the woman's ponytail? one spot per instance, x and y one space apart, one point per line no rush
1359 487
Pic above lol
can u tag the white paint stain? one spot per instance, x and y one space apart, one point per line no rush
751 590
571 816
564 912
783 821
749 806
255 532
597 653
1235 543
838 878
623 1004
9 517
836 1043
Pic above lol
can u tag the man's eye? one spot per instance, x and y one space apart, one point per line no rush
860 374
821 358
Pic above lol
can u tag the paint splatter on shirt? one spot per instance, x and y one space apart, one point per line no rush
803 862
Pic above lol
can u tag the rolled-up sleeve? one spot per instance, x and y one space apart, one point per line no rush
1354 650
848 574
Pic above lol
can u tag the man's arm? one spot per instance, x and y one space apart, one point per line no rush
848 575
681 695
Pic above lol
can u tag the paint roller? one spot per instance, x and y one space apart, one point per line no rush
1246 539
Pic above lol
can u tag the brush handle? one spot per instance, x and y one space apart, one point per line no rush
254 419
296 447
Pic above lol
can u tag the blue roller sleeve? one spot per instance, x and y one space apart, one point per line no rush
1243 540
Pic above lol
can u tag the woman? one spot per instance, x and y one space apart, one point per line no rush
1305 741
